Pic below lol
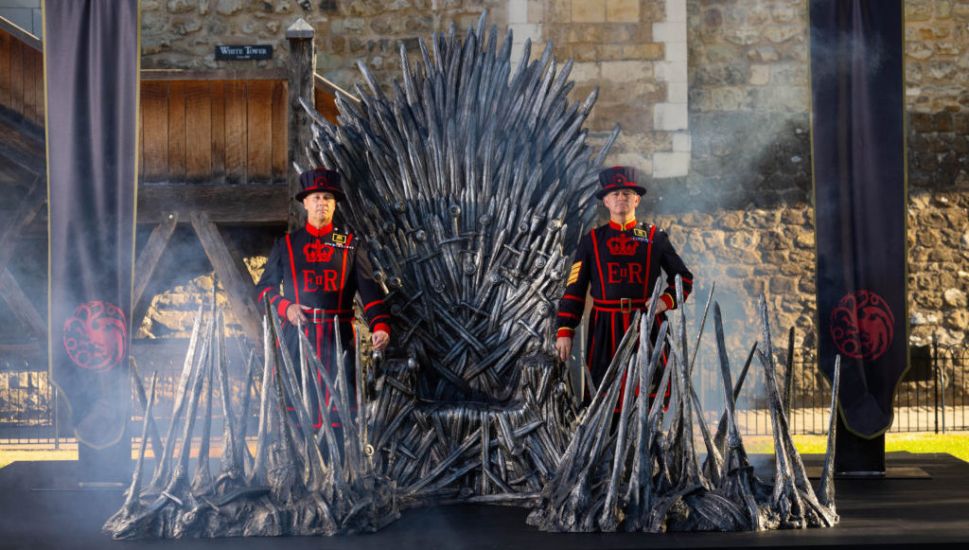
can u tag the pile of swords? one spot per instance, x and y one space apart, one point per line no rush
471 451
299 481
640 471
644 472
460 181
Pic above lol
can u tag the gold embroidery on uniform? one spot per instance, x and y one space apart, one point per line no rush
639 232
339 239
574 273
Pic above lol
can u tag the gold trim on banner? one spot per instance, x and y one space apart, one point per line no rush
134 215
904 214
134 199
50 344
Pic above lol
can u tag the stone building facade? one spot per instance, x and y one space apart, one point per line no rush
713 97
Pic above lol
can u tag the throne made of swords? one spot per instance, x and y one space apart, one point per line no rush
469 177
463 179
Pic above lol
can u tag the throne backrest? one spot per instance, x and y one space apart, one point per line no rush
470 181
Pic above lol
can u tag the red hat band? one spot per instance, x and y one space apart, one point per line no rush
320 181
617 178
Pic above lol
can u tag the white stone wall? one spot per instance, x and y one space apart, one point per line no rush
671 115
635 52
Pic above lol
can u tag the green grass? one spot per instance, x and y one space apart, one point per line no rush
956 444
35 453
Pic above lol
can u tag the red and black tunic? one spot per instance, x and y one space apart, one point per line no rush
321 270
622 265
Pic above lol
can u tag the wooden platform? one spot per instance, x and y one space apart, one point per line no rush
36 511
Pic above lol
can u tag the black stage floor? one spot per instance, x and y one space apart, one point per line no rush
37 512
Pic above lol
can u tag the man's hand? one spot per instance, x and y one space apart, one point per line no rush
660 306
380 339
563 345
294 314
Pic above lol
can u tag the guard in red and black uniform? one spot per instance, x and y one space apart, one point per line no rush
320 268
621 261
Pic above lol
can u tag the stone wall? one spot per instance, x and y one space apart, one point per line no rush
937 55
748 253
749 121
937 99
634 51
184 33
938 266
172 313
771 251
742 215
749 96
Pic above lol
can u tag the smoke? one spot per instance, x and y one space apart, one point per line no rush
741 217
841 51
184 278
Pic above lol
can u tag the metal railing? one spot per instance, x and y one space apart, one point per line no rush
27 411
933 397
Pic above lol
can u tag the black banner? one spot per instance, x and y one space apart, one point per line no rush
860 197
91 77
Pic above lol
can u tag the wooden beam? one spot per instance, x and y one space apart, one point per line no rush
22 349
217 123
302 64
164 355
12 154
280 140
241 205
331 88
16 298
154 126
176 129
20 304
21 143
21 34
26 211
259 130
16 97
146 264
222 74
235 133
236 204
236 282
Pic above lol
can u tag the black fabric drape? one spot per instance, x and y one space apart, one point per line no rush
860 195
91 62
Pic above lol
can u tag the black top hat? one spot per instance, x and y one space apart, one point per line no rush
320 180
619 177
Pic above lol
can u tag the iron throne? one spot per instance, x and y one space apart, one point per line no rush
461 179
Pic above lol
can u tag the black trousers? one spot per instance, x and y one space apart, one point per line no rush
606 330
322 338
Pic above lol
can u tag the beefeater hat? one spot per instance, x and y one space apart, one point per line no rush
320 180
619 177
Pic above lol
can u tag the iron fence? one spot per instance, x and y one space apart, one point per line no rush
27 413
932 397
